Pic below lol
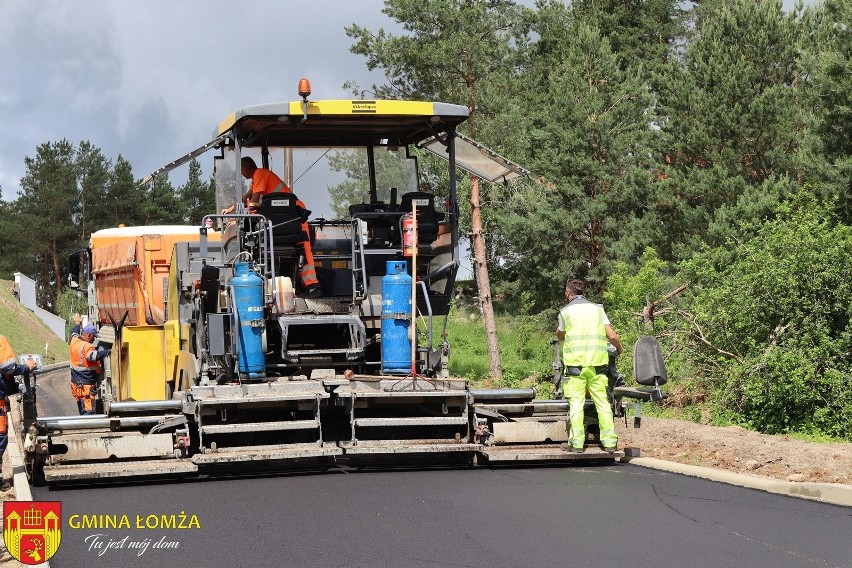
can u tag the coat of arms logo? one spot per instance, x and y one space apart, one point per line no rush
32 529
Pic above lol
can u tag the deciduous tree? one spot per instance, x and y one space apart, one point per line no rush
768 320
392 171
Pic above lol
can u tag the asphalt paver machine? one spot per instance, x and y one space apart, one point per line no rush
221 361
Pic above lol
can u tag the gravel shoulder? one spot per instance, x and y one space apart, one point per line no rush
736 449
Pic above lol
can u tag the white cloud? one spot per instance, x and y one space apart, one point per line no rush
150 80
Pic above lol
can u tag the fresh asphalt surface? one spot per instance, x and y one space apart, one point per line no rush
53 393
612 515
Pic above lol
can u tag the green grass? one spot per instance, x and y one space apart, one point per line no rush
525 354
821 438
26 332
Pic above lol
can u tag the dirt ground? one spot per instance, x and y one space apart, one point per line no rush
738 450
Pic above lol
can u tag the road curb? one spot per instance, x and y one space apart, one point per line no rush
54 366
16 459
833 493
19 470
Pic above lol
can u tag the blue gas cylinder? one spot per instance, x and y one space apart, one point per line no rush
247 288
396 318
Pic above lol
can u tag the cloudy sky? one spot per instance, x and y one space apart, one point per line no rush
150 80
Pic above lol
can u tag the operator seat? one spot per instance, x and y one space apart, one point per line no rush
649 367
285 217
382 220
427 217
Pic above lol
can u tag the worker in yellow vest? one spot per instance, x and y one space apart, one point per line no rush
584 330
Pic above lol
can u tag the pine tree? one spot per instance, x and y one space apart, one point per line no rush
162 204
826 155
196 195
125 199
93 173
48 200
15 245
640 32
453 50
728 123
587 135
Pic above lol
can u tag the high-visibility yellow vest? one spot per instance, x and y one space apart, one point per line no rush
584 323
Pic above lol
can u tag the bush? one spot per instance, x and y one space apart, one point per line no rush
769 322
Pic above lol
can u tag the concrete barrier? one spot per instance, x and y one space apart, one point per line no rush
16 459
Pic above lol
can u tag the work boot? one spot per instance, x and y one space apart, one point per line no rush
609 449
313 291
569 448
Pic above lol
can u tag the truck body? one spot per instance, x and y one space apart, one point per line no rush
130 276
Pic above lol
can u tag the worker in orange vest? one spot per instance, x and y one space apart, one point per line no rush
86 367
264 182
9 368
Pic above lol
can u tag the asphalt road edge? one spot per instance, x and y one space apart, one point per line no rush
833 493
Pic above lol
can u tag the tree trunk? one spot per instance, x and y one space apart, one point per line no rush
57 270
83 213
482 283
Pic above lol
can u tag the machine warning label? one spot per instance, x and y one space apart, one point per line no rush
364 107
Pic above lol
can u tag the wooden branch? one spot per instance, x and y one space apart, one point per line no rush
647 315
661 312
701 337
777 333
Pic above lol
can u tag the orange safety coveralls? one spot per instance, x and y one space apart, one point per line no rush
7 356
265 182
85 369
8 369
